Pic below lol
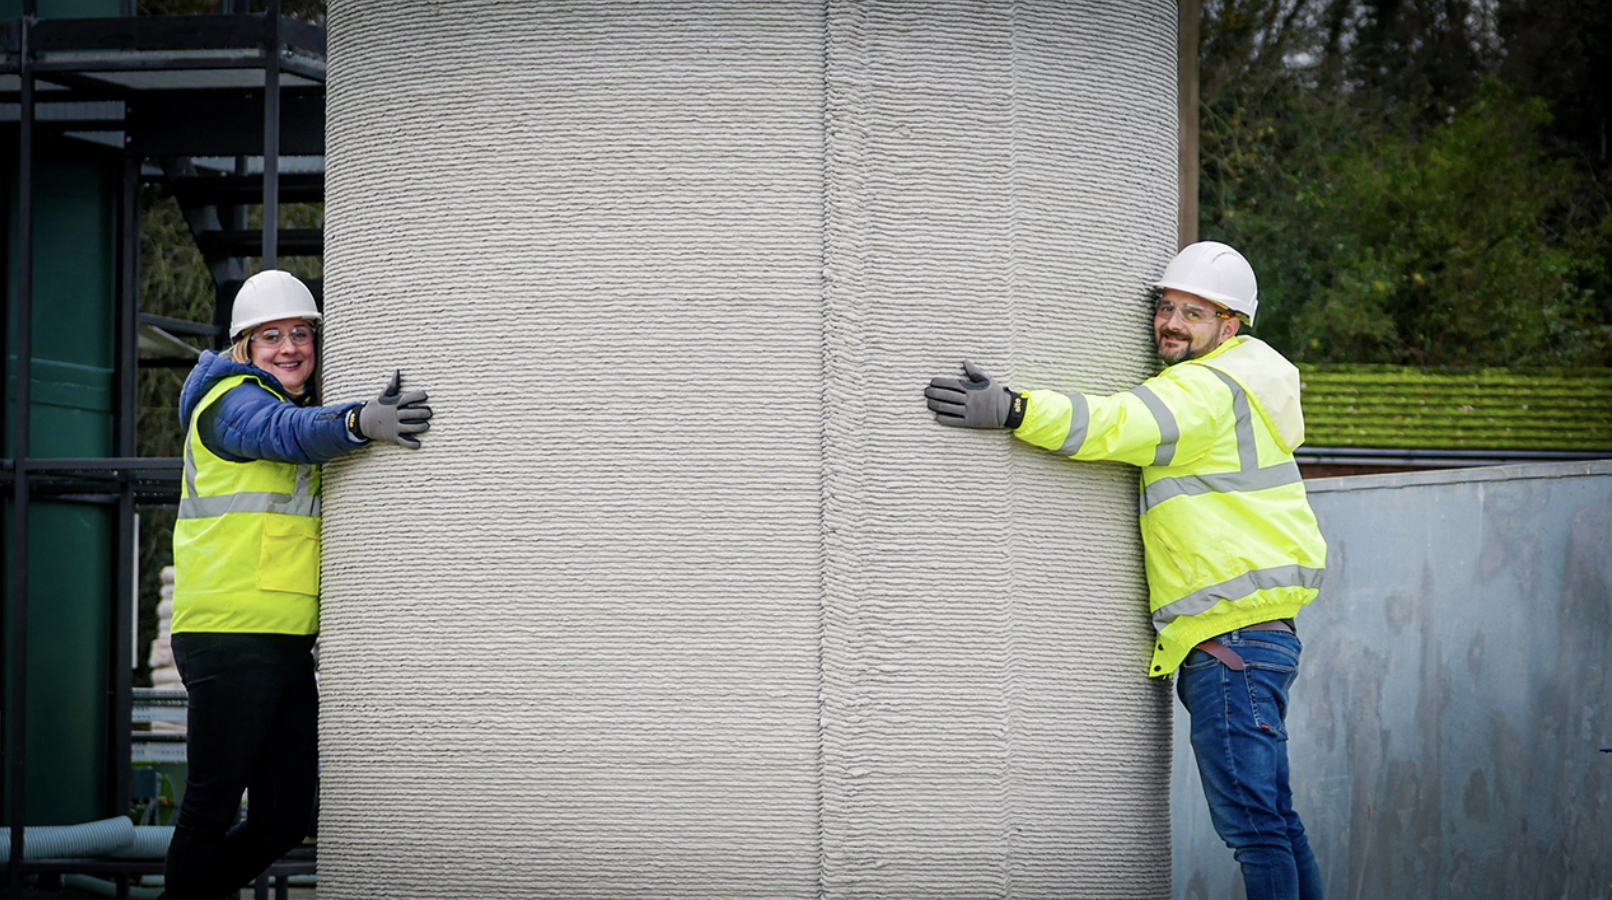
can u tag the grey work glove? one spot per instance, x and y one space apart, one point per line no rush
395 416
974 402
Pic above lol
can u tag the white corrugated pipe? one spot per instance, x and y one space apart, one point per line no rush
150 842
85 840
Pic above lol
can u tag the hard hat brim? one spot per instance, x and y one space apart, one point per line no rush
243 327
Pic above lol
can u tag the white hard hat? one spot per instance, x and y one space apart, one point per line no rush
271 294
1215 272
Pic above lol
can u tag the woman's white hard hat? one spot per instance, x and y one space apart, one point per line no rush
269 295
1215 272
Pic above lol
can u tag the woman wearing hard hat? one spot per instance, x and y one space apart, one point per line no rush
246 580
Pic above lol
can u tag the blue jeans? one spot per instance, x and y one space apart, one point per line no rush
1240 741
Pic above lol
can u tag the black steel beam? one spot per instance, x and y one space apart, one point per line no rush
226 190
184 32
249 242
179 326
125 589
223 123
83 88
149 64
168 362
271 141
149 33
291 864
98 464
58 127
99 480
16 708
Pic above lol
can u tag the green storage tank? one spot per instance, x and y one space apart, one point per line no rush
70 545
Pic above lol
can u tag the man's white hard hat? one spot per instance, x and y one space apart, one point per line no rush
269 295
1215 272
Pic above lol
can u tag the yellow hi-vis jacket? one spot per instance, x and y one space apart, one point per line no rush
1228 534
246 544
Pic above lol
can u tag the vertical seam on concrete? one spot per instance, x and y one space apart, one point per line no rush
1011 688
844 75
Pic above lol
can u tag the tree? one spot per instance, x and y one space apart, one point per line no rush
1401 203
1443 250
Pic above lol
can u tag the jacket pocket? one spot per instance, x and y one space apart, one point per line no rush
290 557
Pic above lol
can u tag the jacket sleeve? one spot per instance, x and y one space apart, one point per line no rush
248 423
1170 419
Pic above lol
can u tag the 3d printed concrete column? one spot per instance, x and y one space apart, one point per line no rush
687 595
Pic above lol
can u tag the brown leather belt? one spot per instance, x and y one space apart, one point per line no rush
1228 657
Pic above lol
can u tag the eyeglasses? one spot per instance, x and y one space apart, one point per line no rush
1193 314
274 337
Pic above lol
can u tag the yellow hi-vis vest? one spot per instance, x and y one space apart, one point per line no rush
1228 534
246 544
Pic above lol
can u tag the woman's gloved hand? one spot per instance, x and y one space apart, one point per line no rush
394 416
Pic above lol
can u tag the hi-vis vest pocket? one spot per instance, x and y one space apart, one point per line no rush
290 556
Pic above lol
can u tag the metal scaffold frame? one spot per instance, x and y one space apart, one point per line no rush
163 92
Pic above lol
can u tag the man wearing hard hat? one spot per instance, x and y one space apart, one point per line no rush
1232 549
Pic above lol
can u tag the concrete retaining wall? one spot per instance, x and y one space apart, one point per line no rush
1451 724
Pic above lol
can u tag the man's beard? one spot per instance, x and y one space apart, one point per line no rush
1185 353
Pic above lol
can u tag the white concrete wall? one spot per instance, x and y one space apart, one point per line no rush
687 595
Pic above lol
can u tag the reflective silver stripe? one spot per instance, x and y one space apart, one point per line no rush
1249 476
190 466
1169 431
1230 482
1202 601
1079 422
300 503
248 502
1247 450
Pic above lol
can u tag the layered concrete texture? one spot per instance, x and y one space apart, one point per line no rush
686 594
1449 730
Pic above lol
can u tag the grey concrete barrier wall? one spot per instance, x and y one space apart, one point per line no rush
1451 724
687 595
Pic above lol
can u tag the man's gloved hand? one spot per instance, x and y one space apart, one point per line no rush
395 416
974 402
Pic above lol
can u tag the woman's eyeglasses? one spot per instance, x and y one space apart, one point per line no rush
274 337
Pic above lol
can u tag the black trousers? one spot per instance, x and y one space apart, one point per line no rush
253 725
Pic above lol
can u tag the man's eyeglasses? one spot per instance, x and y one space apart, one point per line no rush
274 337
1193 314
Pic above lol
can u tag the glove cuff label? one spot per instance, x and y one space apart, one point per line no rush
1016 411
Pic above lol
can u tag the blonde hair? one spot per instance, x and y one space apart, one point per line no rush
241 350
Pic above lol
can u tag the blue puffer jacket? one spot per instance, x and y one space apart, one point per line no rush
250 423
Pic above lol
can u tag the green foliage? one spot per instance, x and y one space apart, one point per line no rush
1561 50
1399 202
1445 250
